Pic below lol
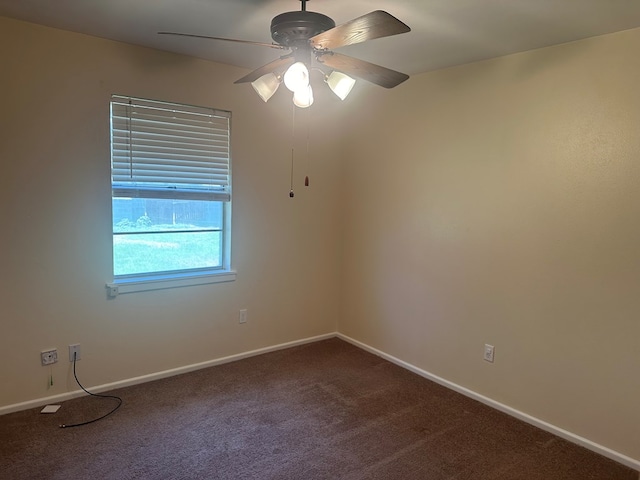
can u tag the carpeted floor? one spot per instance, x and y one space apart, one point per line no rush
326 410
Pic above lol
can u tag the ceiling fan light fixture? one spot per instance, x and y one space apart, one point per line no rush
266 85
296 77
303 97
311 34
340 84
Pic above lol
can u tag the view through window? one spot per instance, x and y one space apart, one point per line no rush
171 195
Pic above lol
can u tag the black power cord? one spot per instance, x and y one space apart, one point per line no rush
93 395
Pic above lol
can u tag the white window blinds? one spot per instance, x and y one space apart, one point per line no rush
165 150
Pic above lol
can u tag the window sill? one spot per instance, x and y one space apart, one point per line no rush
144 284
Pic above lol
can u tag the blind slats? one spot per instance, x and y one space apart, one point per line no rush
164 150
142 140
170 125
173 162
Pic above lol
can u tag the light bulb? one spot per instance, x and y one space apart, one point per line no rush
303 98
340 84
296 77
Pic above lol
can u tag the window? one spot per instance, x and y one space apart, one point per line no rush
171 194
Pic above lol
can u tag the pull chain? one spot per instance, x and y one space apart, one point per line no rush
293 136
306 178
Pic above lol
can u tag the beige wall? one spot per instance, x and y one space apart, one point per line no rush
55 218
490 203
499 203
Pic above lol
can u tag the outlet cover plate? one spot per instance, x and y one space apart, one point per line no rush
49 357
50 409
74 349
489 351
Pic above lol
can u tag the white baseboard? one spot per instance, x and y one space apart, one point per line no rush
571 437
16 407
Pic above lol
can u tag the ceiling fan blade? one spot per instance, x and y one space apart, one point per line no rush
280 64
375 24
272 45
370 72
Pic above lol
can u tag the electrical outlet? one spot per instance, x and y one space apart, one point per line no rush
47 357
74 352
488 352
242 317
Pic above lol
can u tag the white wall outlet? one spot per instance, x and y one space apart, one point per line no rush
74 352
488 352
47 357
242 317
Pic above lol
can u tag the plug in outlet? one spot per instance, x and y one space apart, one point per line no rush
74 352
48 357
488 352
242 317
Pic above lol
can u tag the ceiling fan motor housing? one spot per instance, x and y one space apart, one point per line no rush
293 29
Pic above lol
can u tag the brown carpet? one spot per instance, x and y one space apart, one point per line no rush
326 410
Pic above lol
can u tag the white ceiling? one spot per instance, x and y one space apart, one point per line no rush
444 32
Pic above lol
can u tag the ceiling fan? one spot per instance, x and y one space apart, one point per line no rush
311 38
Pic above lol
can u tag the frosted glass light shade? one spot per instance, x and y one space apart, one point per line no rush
266 86
303 97
296 77
340 84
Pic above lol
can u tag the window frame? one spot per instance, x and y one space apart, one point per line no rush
222 193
